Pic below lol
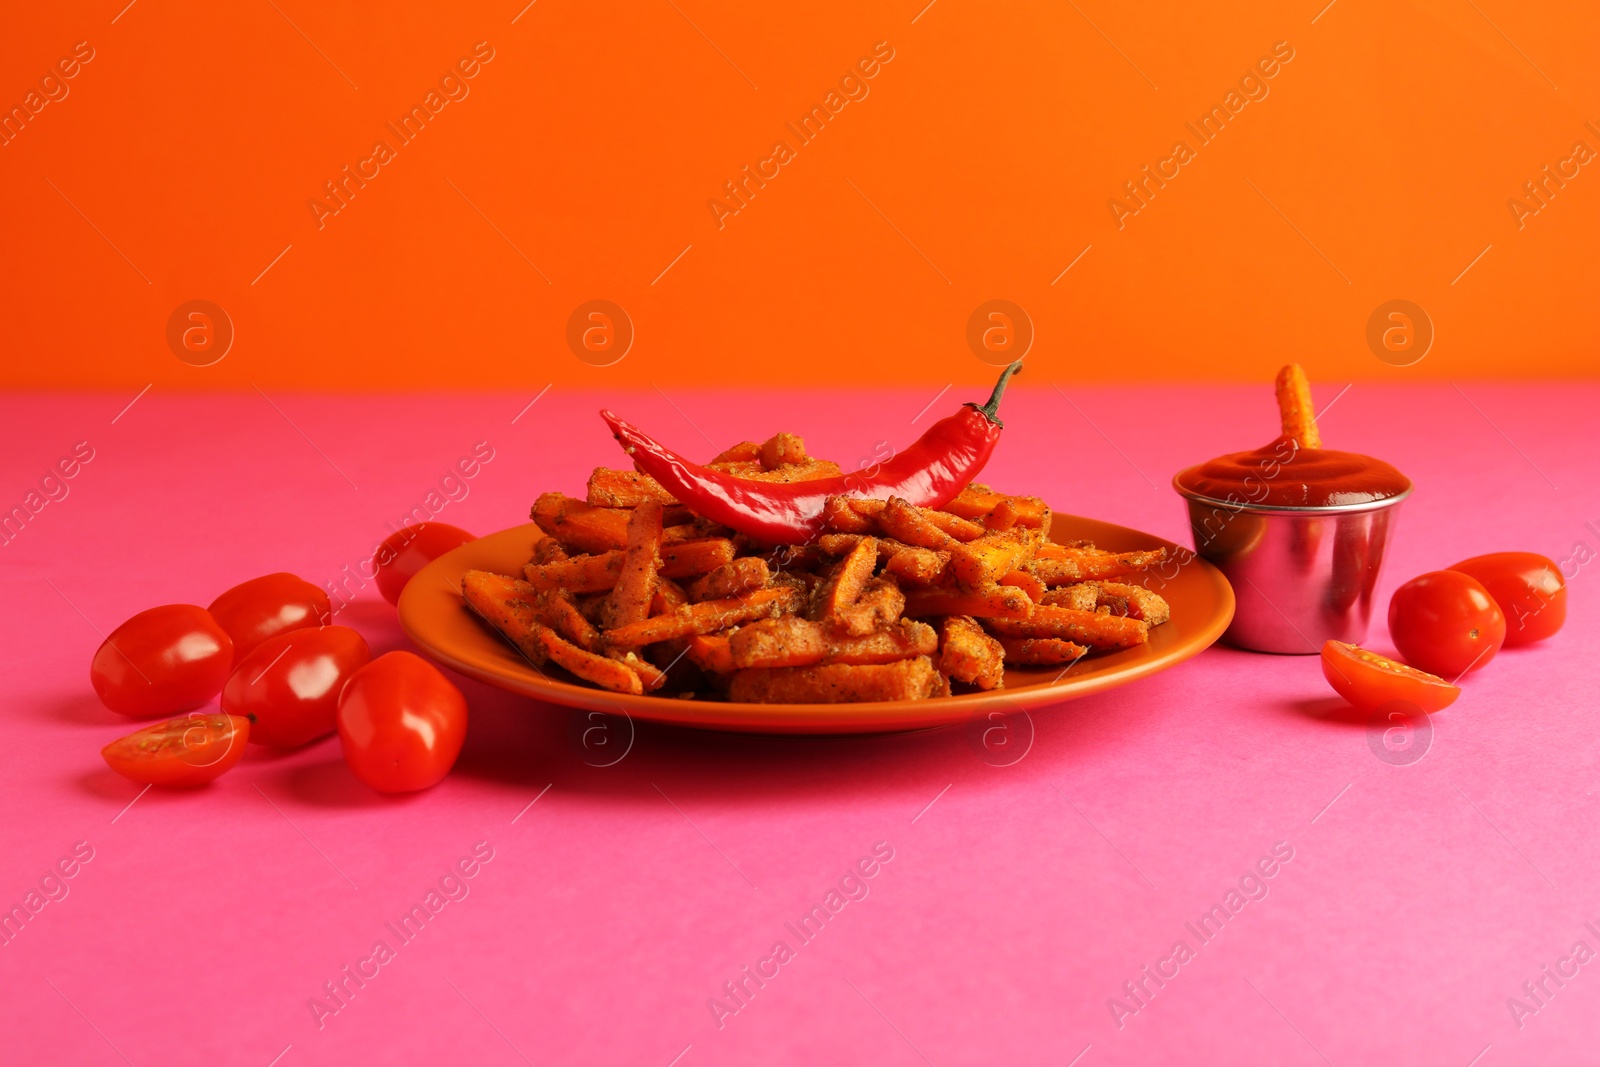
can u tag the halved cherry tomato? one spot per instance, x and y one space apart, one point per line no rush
162 661
190 750
1446 623
411 548
401 723
1528 588
1369 680
289 687
255 610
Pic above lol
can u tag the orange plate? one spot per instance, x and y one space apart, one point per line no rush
432 612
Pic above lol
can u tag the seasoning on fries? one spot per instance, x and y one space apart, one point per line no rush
633 591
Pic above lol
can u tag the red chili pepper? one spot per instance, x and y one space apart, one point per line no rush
929 473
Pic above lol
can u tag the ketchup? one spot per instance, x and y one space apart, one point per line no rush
1282 474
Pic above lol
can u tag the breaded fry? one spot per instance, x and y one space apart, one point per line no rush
977 501
881 603
838 515
579 525
967 654
688 558
636 582
845 586
556 609
577 574
625 489
1295 409
1080 627
984 561
1081 596
1040 651
1025 582
954 525
782 449
683 531
838 683
809 471
508 605
603 671
669 596
731 579
909 523
711 653
1003 517
743 452
1134 601
650 676
548 550
788 641
996 602
1091 564
915 566
707 617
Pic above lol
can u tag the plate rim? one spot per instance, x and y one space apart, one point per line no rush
857 717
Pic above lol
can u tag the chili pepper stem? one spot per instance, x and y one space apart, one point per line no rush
991 410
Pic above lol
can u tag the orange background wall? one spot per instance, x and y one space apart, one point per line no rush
980 165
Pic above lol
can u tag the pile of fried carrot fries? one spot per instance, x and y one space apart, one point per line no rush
633 592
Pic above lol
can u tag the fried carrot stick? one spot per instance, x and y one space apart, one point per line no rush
1089 564
556 609
711 652
501 602
835 683
508 605
731 579
624 489
636 581
881 603
689 558
849 578
1295 409
1040 651
603 671
997 602
967 654
577 574
707 617
907 522
1080 627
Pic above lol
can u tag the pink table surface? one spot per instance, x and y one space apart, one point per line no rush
1019 899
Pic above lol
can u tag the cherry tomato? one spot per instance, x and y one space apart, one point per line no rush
162 661
289 687
1446 623
411 548
255 610
190 750
401 723
1369 680
1528 588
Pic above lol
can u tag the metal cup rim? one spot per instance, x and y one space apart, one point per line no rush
1287 509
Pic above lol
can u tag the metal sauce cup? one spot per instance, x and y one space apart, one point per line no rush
1301 576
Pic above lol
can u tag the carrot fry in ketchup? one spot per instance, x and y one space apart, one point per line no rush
1295 408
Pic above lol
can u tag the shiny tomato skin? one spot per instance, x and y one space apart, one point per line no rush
411 548
289 686
401 723
1369 680
187 751
258 609
1529 589
1446 623
162 661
